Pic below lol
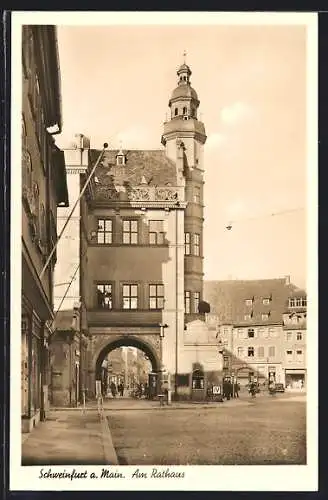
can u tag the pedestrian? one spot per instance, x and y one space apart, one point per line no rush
121 389
113 389
236 390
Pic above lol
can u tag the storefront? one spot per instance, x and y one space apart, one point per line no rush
32 405
295 379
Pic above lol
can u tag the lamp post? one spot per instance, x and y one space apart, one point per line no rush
161 338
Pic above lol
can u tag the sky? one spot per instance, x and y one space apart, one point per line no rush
251 82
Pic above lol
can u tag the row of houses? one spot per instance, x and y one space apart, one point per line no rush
261 328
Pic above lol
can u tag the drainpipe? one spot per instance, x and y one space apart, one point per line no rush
176 308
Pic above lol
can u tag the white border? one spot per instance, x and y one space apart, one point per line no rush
216 478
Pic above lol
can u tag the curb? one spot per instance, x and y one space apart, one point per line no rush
107 441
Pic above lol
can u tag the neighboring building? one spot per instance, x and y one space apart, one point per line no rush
294 340
44 188
254 319
69 341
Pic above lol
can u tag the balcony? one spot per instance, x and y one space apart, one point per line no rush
123 317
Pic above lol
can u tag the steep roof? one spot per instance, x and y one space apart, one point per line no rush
228 300
151 167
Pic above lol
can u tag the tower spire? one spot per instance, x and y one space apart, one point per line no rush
184 57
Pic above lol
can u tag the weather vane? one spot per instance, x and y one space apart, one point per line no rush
184 56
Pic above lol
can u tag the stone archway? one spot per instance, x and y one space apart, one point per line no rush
102 345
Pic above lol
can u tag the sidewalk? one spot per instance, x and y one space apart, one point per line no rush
67 438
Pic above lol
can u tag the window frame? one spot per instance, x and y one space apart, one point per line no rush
187 243
156 233
196 195
250 350
270 350
195 302
187 301
196 245
157 297
130 297
250 330
260 351
130 233
105 232
299 336
105 284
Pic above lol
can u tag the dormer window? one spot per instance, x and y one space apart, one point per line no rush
120 160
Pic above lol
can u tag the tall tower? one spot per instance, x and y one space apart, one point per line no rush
188 133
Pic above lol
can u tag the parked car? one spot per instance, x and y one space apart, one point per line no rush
280 388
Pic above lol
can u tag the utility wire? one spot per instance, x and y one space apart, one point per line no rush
72 211
282 212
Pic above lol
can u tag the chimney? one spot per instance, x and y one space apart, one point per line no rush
287 280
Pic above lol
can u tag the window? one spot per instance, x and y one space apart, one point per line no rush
272 332
250 333
196 301
247 317
196 245
187 302
187 243
130 232
120 159
242 333
304 302
240 352
196 194
130 296
266 302
260 352
105 231
176 111
299 355
156 296
289 336
184 111
104 296
298 302
299 336
272 351
261 332
250 352
156 232
289 353
249 302
265 316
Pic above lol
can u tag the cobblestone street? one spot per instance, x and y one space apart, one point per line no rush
264 431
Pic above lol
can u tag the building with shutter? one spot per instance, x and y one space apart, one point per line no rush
44 189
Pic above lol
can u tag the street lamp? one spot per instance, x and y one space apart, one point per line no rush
161 337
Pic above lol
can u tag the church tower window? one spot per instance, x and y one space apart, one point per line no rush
176 111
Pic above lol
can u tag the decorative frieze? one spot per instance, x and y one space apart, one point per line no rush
146 194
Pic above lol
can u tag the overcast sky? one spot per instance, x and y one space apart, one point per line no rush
251 82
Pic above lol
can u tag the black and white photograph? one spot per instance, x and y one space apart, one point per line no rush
164 251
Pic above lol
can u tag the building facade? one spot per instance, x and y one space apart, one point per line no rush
44 189
260 329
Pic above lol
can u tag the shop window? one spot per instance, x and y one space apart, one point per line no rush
156 296
196 301
197 245
130 296
104 296
156 232
105 231
130 232
187 301
198 379
187 244
250 352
